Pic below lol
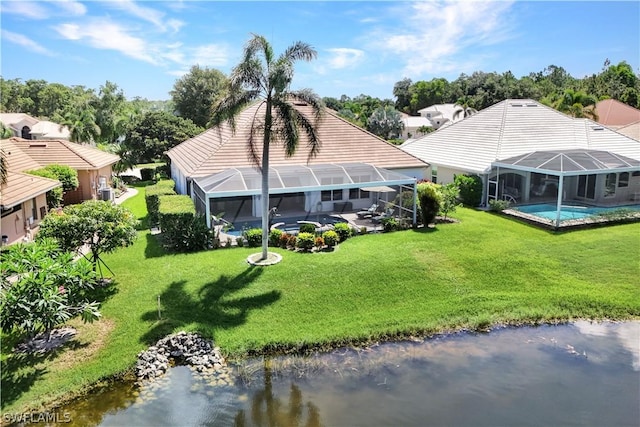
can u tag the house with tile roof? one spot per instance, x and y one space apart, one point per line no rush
615 114
350 159
526 152
94 166
24 126
23 201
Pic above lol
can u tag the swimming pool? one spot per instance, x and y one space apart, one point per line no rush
290 223
569 212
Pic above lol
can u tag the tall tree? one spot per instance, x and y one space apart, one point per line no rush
402 92
463 108
196 92
110 112
261 77
577 104
385 122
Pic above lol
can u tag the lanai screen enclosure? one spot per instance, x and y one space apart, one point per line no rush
597 178
298 188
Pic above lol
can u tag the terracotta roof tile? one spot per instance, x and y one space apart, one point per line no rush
21 187
76 156
614 113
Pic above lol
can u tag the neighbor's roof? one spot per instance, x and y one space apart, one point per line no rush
76 156
21 187
17 160
632 130
614 113
514 127
50 130
218 148
570 162
446 110
11 119
416 121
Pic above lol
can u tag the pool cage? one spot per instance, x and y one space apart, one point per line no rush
236 193
589 177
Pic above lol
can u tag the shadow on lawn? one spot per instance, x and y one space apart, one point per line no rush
153 248
211 307
21 370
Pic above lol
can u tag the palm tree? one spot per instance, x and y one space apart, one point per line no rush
81 122
3 167
577 104
264 79
463 108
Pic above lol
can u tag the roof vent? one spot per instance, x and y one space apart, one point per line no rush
300 103
532 105
516 105
38 145
597 127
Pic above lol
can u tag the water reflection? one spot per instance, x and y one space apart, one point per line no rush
581 374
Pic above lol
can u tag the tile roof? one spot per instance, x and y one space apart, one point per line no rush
511 128
10 119
218 148
20 186
76 156
632 130
613 113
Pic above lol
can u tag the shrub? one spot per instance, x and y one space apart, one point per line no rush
274 237
240 241
63 173
430 198
319 242
305 241
450 194
343 230
284 240
164 171
330 238
498 205
390 224
152 194
254 237
182 229
54 196
363 230
43 287
291 241
470 189
307 228
147 174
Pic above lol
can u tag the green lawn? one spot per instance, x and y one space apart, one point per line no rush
486 269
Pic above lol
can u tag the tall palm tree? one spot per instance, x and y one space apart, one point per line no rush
261 77
463 108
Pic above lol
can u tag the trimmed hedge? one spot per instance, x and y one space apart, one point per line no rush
152 194
182 229
148 174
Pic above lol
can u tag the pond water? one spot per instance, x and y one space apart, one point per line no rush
580 374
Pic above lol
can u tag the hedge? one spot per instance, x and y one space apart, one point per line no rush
152 193
182 229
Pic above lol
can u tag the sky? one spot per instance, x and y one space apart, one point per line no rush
363 47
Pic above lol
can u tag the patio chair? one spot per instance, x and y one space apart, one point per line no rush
368 213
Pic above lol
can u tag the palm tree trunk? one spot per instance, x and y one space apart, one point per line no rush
265 180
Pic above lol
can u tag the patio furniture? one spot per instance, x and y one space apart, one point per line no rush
368 212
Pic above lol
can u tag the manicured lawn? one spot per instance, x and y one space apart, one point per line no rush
486 269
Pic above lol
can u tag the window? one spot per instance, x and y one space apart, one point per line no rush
587 186
434 174
331 195
610 185
623 180
34 209
357 193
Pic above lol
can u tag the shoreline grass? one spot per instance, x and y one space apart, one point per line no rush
482 271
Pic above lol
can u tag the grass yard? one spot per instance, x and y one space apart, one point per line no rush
487 269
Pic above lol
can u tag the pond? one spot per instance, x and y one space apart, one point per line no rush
582 374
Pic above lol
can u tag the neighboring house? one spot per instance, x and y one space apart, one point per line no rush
412 124
94 166
351 170
23 197
615 114
632 130
439 114
526 152
24 126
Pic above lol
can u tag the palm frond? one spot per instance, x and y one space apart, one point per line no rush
228 108
299 51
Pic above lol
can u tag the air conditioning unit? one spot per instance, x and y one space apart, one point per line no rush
105 194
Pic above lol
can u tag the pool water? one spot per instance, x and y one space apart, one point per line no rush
569 212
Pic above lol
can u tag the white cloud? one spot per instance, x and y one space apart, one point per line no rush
345 57
70 7
211 55
26 9
145 13
437 36
25 42
104 34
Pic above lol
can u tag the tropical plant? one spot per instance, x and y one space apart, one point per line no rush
263 78
305 241
42 287
463 108
385 122
100 225
450 194
430 199
3 167
470 189
81 121
54 196
330 238
343 230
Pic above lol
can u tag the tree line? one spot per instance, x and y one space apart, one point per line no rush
140 130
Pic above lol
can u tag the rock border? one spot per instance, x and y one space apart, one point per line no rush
181 348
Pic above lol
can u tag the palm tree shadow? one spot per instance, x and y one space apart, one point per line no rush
21 370
211 307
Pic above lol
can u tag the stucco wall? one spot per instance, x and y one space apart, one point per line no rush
16 226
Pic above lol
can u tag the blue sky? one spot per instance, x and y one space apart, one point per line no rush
363 46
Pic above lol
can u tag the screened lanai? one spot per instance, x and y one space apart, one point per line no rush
333 187
588 177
